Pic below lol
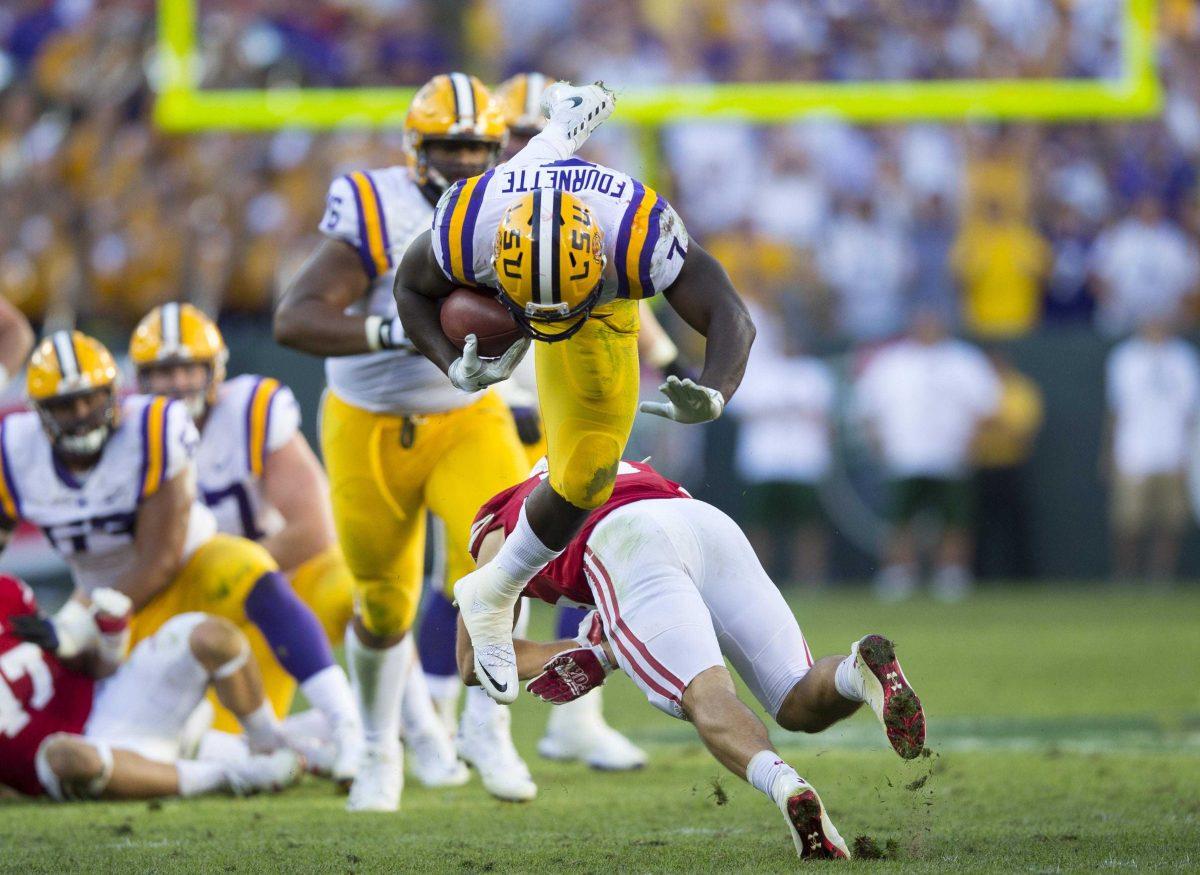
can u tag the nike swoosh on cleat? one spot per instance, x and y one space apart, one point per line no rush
502 688
575 101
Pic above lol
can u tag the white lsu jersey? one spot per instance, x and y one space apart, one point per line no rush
379 213
644 238
90 520
252 417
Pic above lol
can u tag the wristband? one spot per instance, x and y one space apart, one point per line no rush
372 326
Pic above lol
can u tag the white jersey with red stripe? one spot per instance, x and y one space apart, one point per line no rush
379 213
90 518
253 416
644 238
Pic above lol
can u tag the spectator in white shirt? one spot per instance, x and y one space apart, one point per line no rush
866 262
1153 387
783 408
1146 267
923 400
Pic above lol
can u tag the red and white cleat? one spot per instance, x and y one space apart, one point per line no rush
813 833
890 696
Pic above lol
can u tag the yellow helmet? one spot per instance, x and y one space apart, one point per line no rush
65 366
452 107
549 261
519 98
175 334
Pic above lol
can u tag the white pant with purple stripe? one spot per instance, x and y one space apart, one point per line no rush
679 588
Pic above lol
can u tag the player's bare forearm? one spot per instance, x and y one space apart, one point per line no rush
420 285
706 300
162 524
311 316
292 476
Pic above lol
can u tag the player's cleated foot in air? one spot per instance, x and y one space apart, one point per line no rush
813 833
265 773
581 108
379 780
889 695
488 748
433 761
490 622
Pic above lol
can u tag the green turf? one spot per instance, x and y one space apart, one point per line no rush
1066 727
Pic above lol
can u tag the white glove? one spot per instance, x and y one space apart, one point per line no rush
111 605
471 373
687 402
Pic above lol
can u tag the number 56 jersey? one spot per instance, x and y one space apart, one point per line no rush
644 238
90 520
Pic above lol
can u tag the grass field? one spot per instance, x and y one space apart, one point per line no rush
1065 728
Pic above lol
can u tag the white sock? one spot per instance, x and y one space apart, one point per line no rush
261 728
522 556
417 713
848 681
480 707
197 777
770 775
443 686
378 681
329 692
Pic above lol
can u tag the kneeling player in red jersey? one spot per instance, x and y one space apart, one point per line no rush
78 723
678 590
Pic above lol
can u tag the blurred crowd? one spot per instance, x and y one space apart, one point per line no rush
842 236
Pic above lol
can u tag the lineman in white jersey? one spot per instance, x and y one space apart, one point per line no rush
112 484
262 481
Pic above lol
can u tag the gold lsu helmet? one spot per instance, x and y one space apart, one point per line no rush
451 107
174 334
67 365
519 98
549 262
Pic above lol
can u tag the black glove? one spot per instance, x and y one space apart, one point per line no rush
529 425
37 629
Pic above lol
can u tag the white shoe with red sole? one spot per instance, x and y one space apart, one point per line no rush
890 696
813 833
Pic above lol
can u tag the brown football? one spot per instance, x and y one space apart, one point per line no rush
466 311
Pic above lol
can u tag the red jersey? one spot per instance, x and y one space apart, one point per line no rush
564 576
38 694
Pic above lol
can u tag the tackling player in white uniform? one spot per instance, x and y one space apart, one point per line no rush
112 485
678 590
96 725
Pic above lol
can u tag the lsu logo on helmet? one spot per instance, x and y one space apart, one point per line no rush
549 260
175 334
451 107
66 366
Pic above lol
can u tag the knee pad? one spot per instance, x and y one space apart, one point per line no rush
385 607
53 786
588 474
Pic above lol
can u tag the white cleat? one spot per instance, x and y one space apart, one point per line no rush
348 747
432 760
813 833
488 748
579 108
379 780
489 622
576 731
267 773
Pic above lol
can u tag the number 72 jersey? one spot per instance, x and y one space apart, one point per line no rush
644 238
